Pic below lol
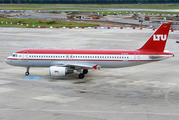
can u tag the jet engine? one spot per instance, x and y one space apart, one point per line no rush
60 71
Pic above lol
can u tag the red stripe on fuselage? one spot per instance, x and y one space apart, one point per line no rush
94 52
12 59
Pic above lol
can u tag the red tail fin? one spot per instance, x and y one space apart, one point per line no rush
158 40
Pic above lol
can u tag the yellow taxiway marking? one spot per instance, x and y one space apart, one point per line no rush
42 74
89 43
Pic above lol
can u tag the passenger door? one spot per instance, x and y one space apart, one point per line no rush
137 56
25 56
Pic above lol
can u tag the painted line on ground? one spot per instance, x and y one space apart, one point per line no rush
32 77
89 111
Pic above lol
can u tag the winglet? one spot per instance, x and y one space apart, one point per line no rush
158 40
95 67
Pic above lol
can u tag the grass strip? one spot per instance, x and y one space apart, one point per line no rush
46 23
130 12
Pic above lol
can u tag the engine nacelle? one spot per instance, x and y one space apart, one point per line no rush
60 71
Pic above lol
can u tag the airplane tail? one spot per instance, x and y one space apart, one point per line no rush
158 40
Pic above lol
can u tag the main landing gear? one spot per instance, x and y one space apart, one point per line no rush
82 75
85 71
27 72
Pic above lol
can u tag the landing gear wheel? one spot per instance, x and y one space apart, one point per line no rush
27 73
81 76
85 71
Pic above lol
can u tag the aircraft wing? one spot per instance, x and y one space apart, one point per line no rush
76 65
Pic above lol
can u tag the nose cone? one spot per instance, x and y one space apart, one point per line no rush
7 61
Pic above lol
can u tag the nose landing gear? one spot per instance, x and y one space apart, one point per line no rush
27 72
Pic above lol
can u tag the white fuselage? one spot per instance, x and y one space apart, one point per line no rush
104 60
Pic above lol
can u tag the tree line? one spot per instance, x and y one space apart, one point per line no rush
87 1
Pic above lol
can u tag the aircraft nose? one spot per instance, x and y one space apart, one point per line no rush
7 61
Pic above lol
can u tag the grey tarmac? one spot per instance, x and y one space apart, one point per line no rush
144 92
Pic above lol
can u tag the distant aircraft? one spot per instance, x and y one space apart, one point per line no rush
63 62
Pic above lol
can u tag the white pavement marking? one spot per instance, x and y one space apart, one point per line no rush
3 90
57 98
89 111
4 82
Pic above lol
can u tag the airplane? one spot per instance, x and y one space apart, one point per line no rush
63 62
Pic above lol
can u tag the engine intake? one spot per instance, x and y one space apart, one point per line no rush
60 71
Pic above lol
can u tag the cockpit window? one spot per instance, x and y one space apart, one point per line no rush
14 55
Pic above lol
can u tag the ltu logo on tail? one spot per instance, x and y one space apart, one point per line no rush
159 37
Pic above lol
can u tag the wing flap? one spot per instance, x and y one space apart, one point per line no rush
77 65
